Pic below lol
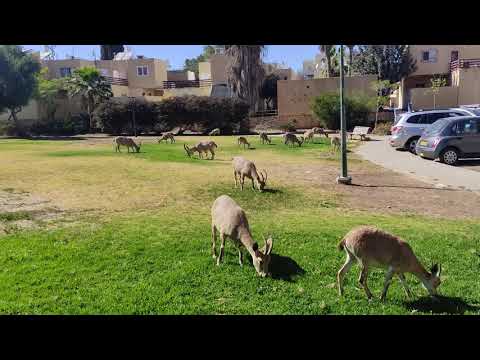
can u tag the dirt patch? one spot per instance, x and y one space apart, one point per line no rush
380 190
21 210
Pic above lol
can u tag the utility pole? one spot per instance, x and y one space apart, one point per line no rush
343 178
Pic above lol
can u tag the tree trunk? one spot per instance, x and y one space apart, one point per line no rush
350 62
329 65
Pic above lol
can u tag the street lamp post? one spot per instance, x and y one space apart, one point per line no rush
343 178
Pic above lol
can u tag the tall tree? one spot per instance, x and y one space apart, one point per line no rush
389 62
91 86
108 52
327 50
245 72
48 91
18 79
192 64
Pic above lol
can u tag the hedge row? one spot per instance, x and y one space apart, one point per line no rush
202 113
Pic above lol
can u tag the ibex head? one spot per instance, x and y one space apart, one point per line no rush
261 260
188 150
433 281
262 180
137 147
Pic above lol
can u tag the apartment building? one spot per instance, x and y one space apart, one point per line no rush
459 65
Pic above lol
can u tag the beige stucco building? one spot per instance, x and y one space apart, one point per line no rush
295 96
459 65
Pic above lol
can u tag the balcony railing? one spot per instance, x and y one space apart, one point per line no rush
186 84
116 81
464 63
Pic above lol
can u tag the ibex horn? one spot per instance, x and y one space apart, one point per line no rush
266 175
186 149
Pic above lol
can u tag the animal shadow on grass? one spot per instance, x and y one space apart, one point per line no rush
272 191
441 305
284 268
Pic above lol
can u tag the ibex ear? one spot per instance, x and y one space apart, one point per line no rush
255 247
434 269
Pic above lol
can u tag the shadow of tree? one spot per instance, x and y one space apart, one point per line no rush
284 268
441 305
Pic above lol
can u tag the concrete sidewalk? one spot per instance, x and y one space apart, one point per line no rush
379 152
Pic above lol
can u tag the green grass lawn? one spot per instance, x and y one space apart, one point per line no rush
147 257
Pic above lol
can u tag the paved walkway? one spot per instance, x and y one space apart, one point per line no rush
381 153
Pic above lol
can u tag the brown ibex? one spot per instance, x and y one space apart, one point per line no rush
243 141
243 168
167 136
230 220
292 139
319 130
370 246
335 143
214 132
201 147
264 138
128 142
309 135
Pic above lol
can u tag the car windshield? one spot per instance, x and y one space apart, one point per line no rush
437 126
476 111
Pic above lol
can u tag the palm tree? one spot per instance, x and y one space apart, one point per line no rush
245 72
327 50
350 60
91 86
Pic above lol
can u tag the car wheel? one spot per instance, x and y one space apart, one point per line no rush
412 145
449 156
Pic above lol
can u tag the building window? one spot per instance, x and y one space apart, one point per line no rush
64 72
429 56
142 70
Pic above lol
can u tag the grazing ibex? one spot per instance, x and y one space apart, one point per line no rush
243 141
201 147
243 168
292 139
214 132
167 136
264 138
335 143
128 142
230 220
319 130
373 247
309 135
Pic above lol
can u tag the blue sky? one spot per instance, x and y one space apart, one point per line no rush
292 55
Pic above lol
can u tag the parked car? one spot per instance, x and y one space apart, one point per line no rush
451 139
408 128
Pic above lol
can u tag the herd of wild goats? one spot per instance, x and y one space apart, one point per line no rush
368 246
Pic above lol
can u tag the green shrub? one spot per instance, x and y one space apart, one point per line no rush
192 112
327 109
77 124
115 115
